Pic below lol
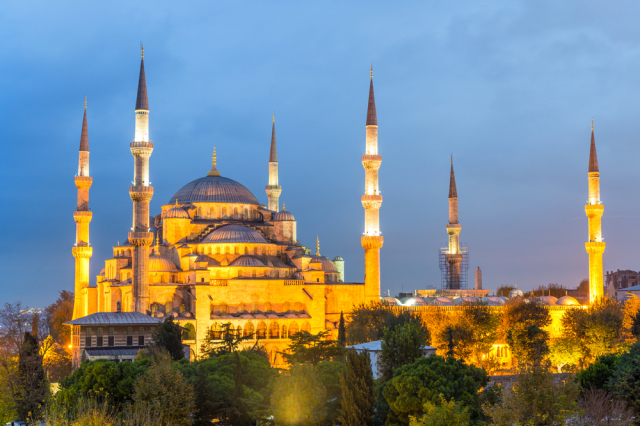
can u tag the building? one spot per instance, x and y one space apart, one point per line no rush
594 209
215 254
621 279
374 349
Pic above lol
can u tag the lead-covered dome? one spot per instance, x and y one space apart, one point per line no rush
176 213
327 265
282 216
234 234
214 189
158 262
247 261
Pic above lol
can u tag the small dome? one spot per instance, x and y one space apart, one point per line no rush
338 259
176 213
516 292
413 301
246 261
282 216
493 301
548 300
465 300
158 263
327 265
567 301
234 234
391 301
442 301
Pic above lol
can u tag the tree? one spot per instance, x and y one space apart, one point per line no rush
520 311
312 348
597 375
537 399
630 309
367 322
57 314
583 287
358 393
33 385
528 342
456 340
224 341
597 408
564 351
504 290
237 412
400 346
624 383
298 397
169 336
164 390
444 413
425 380
342 332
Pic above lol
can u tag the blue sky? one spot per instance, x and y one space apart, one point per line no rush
507 87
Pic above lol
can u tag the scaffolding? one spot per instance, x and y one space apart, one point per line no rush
451 279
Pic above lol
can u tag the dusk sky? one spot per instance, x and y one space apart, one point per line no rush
508 87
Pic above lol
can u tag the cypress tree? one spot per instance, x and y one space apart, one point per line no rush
342 332
358 393
169 336
33 383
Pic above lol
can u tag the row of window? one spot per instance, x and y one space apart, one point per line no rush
212 213
88 339
257 250
254 308
261 331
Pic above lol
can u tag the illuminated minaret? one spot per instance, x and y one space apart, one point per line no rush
453 256
273 189
141 193
371 201
595 247
82 251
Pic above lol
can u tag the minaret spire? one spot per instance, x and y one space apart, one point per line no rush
82 216
141 193
273 189
372 239
453 192
453 256
317 246
594 209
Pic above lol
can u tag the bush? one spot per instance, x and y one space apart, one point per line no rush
299 397
624 383
598 374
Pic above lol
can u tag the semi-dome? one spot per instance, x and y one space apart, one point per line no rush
283 215
214 189
442 301
234 234
176 213
327 265
158 263
247 261
567 301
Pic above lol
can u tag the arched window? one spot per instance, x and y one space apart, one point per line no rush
255 250
242 308
189 332
261 332
224 212
183 307
284 334
268 307
235 212
246 214
277 273
210 215
227 250
253 273
306 327
87 337
168 307
240 272
217 250
216 331
248 330
236 250
254 307
293 328
224 308
286 308
273 331
173 278
246 250
141 336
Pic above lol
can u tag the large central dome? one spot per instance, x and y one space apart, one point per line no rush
214 189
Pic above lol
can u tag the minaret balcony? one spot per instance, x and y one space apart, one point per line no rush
372 241
141 193
371 201
82 216
371 162
594 210
141 149
82 252
140 238
83 182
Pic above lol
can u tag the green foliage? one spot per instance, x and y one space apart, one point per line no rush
625 381
367 322
169 337
328 373
57 314
444 413
33 387
564 351
536 399
528 342
102 379
635 326
598 374
7 373
520 311
597 329
555 290
164 390
215 381
223 341
400 346
425 380
358 393
504 290
313 348
299 397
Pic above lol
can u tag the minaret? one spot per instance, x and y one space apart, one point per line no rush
595 247
82 251
141 193
453 257
273 189
371 201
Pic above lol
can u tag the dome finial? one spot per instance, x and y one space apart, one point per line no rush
317 246
283 209
371 71
214 171
176 201
85 102
141 50
274 116
592 124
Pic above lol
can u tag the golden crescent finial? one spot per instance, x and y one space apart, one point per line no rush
592 124
451 158
85 102
214 156
274 116
283 209
142 50
372 71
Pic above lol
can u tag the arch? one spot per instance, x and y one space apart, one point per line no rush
306 327
273 331
261 331
217 250
99 333
240 272
216 331
236 250
293 328
242 308
189 332
284 334
235 212
286 307
268 307
248 330
246 250
227 250
246 214
224 212
255 250
168 306
253 273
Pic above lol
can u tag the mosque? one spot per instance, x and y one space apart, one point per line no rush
215 254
